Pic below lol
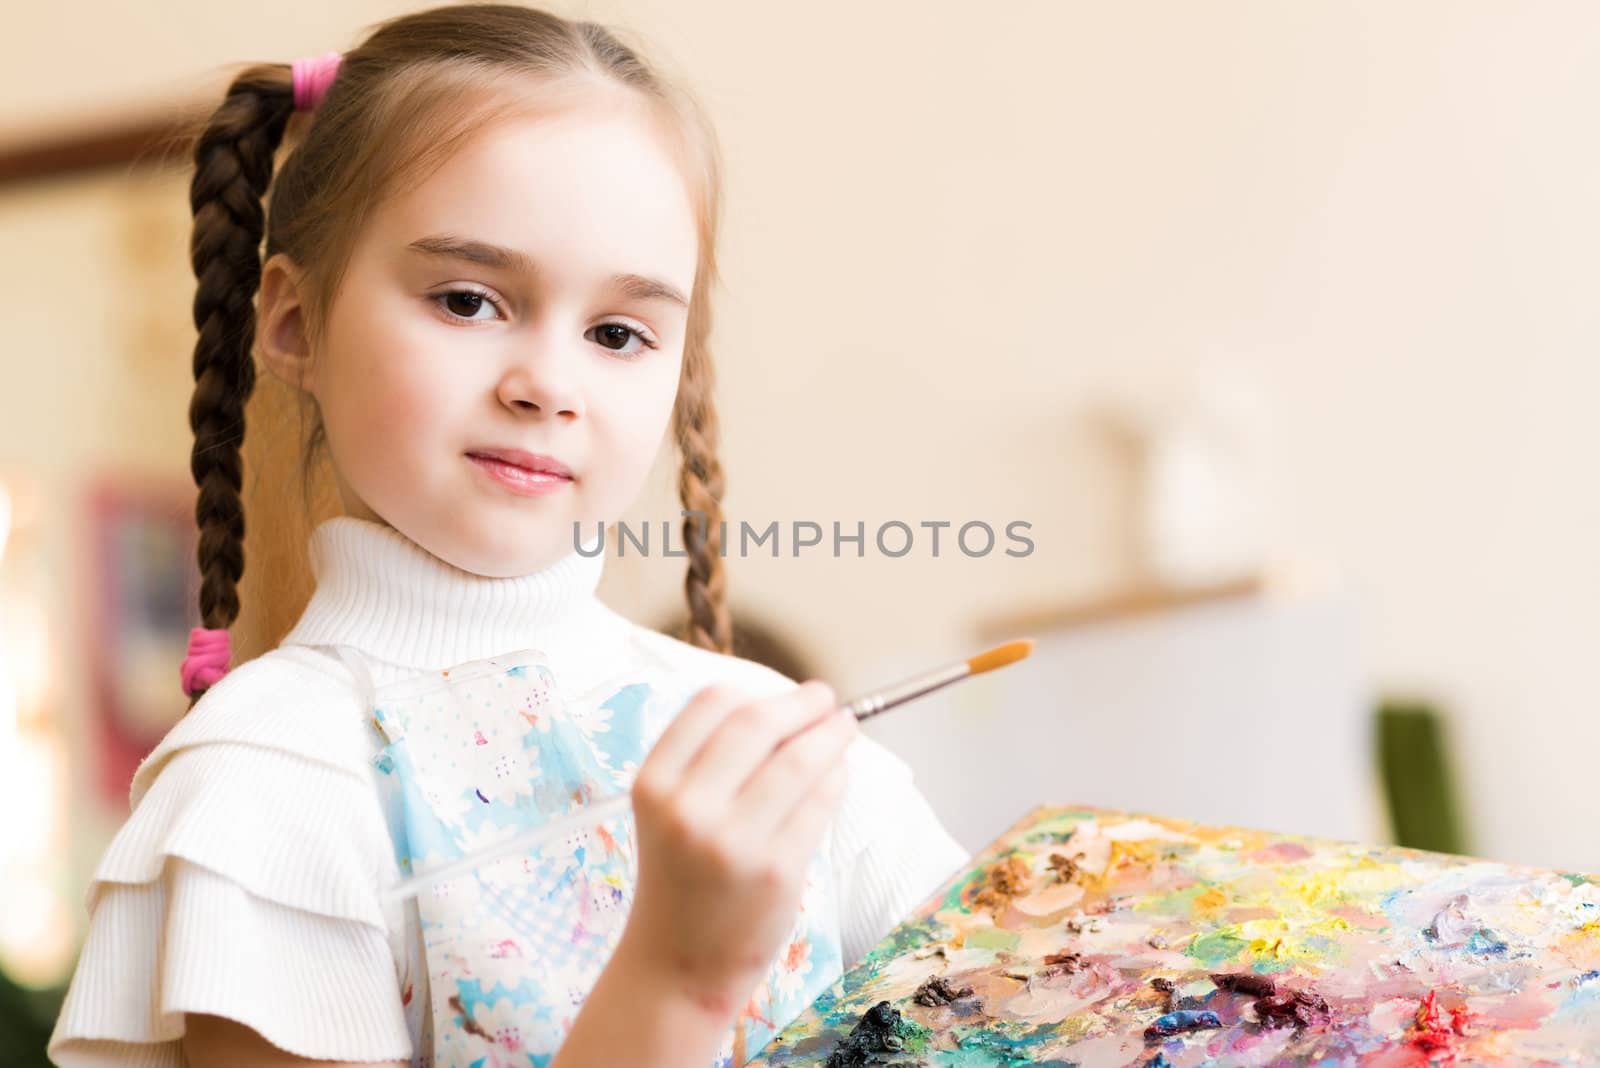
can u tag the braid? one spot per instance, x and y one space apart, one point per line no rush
700 487
233 166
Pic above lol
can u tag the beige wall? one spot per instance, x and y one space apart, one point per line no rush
952 235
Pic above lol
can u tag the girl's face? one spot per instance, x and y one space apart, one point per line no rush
531 295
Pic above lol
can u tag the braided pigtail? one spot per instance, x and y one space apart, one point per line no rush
233 166
700 487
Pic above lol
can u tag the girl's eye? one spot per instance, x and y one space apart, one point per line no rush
620 332
466 303
463 305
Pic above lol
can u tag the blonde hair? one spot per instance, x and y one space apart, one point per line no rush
393 114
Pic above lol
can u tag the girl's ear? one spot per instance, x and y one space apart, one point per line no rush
280 323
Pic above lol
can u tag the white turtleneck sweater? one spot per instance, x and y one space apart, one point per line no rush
246 881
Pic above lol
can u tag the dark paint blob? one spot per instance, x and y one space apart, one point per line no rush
938 991
1259 986
1006 879
1063 963
1065 867
1296 1008
1275 1007
876 1033
1177 1023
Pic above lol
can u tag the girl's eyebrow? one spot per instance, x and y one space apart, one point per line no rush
449 246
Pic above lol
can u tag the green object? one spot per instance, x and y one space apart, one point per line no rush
26 1018
1417 781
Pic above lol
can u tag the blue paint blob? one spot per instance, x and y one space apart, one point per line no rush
1175 1023
1486 941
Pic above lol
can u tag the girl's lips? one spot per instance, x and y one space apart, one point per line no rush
530 461
518 479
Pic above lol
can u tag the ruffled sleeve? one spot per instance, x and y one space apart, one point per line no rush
245 883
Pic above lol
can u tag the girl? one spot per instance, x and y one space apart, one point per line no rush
487 267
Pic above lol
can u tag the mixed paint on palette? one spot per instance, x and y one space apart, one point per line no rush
1089 937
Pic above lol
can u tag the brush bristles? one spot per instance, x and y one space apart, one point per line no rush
1000 656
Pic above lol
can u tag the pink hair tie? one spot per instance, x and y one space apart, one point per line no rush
207 660
312 76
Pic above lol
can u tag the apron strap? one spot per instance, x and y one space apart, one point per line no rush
358 668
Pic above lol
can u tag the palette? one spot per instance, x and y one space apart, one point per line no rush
1093 937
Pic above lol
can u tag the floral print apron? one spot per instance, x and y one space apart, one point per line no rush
505 956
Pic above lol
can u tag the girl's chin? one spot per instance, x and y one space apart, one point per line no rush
495 555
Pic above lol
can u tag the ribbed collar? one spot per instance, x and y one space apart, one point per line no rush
384 594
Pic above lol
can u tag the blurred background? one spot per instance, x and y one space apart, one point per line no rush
1274 322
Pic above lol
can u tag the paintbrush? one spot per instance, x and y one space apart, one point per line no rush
864 707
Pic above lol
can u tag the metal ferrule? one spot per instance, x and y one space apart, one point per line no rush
900 692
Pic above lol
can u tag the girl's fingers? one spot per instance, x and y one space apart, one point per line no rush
746 737
688 731
802 831
788 776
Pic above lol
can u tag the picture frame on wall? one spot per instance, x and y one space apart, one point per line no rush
143 586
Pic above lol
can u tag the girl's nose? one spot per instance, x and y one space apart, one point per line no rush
546 383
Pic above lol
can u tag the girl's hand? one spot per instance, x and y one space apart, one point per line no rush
730 806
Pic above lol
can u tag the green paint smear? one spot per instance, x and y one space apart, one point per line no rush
901 940
1179 902
994 938
1216 947
1056 826
971 1058
1325 948
997 1047
914 1035
958 889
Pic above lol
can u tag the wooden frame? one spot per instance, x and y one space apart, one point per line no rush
151 140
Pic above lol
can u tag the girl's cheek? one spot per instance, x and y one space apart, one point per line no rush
412 385
417 396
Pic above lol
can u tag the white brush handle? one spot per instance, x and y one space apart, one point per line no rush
578 818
